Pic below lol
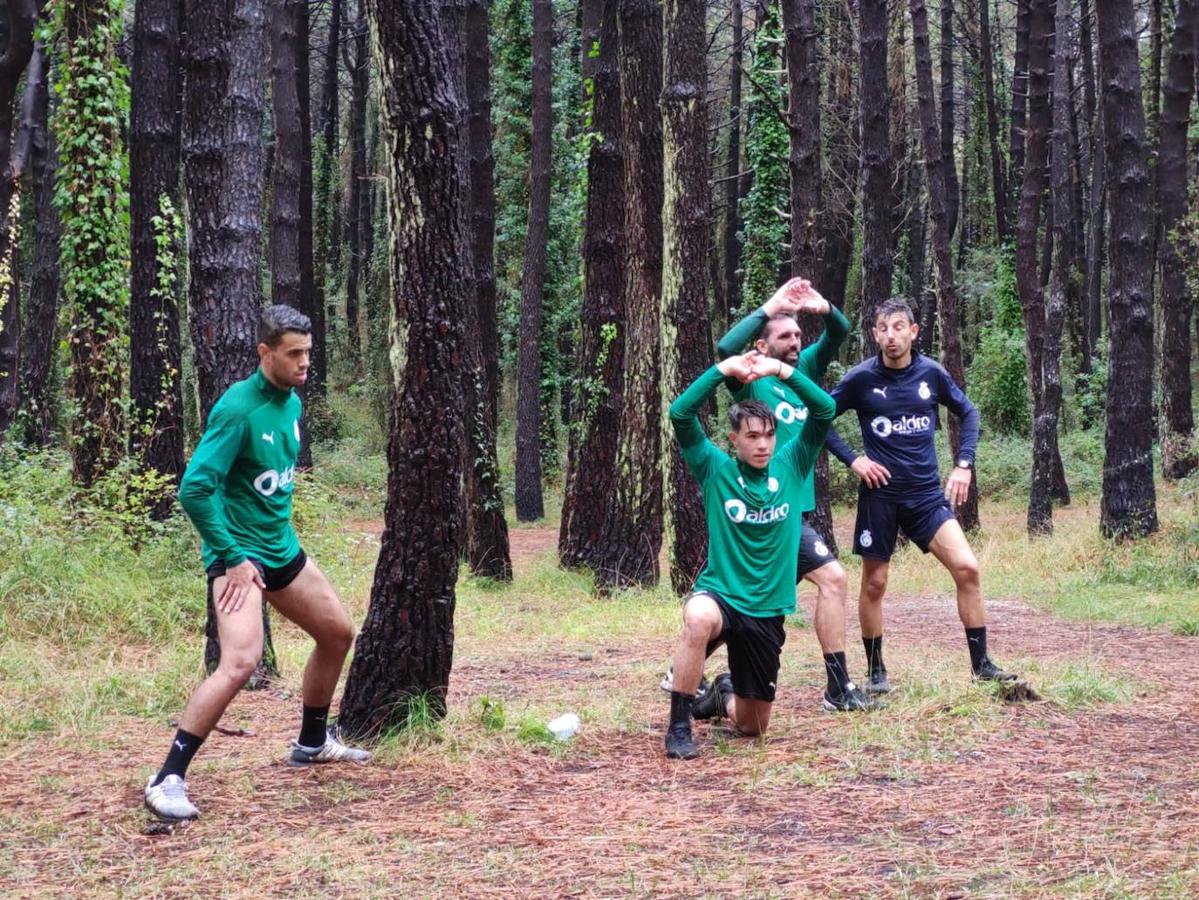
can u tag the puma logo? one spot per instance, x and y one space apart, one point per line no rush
882 392
180 745
269 437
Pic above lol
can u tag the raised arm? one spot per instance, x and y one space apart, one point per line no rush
209 465
815 359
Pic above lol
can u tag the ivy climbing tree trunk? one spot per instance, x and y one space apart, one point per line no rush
874 101
947 301
529 504
95 240
487 547
155 382
1180 455
628 554
598 393
1129 504
686 330
405 649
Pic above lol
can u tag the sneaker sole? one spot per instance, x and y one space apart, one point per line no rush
163 817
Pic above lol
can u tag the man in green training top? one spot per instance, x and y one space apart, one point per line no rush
752 507
774 332
237 491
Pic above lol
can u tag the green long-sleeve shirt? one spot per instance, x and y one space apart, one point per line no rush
237 488
789 409
753 515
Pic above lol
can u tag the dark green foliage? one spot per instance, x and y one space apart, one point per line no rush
998 376
765 230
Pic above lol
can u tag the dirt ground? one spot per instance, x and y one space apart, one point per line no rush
1042 801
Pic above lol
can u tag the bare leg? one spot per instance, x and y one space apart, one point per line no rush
702 623
870 601
749 717
831 586
949 545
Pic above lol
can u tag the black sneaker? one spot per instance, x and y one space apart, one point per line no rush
988 671
712 704
679 743
877 683
852 699
667 683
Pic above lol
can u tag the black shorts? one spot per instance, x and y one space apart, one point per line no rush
275 579
920 515
813 552
755 647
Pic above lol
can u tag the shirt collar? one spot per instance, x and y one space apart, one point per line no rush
266 387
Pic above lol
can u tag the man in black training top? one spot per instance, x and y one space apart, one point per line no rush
752 509
896 395
237 491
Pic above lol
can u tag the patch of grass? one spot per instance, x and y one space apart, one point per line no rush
1083 684
491 713
534 733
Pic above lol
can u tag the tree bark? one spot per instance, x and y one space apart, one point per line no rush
948 122
487 547
1129 506
311 303
155 385
529 504
404 653
732 181
38 412
840 199
632 538
591 473
328 209
358 214
1016 137
998 185
1177 446
686 329
285 183
1096 241
877 172
947 303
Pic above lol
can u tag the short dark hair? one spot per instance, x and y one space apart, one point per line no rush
750 409
764 334
890 307
277 320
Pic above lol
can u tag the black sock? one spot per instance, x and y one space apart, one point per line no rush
874 654
976 640
837 672
179 757
315 726
680 709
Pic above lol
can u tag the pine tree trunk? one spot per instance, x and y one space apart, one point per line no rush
1177 446
358 213
1129 505
487 531
311 302
1028 227
38 412
840 199
732 180
598 395
328 208
686 330
877 172
1096 242
155 385
947 303
404 653
529 504
285 171
1016 136
948 123
628 554
998 184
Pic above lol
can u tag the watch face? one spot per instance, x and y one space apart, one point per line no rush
963 464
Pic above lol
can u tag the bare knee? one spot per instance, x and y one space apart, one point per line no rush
238 665
874 585
339 637
966 572
697 627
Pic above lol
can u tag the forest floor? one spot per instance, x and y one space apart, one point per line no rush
947 792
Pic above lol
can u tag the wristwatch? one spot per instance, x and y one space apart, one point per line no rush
965 464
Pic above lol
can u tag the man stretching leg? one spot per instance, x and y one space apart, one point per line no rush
896 395
751 506
237 491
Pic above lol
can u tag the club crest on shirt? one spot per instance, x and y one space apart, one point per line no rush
772 484
924 392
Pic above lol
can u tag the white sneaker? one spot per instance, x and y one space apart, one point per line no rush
332 751
168 799
667 683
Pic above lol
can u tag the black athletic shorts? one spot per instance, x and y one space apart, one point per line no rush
755 647
813 552
275 579
920 515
